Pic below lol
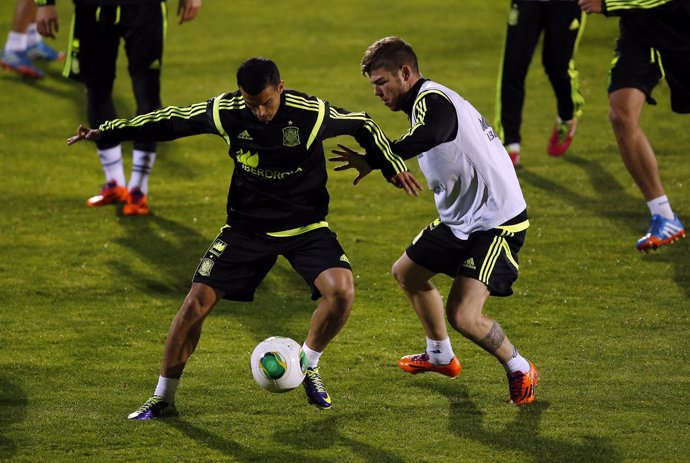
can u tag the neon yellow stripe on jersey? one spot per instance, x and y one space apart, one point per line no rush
306 105
317 125
236 102
433 90
216 119
161 114
379 137
385 146
420 110
299 230
612 5
299 100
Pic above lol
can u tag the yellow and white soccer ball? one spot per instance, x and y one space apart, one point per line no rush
278 364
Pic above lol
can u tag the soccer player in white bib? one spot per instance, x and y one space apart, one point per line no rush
482 216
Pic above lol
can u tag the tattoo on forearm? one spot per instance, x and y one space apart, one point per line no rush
492 341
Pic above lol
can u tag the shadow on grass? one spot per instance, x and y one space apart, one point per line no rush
678 256
522 434
52 86
172 248
312 437
615 205
12 410
324 434
610 200
239 452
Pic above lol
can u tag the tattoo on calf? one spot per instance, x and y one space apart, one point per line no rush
492 341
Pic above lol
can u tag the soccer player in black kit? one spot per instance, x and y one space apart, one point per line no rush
277 205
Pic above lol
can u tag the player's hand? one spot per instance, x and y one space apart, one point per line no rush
352 160
407 182
84 133
188 9
590 6
47 21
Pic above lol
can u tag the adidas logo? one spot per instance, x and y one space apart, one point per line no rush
244 136
344 258
469 263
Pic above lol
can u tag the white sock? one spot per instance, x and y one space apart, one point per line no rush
16 41
312 356
661 206
142 163
166 388
34 38
111 160
440 352
517 363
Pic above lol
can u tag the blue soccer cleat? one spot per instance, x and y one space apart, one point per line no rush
662 231
44 52
19 61
316 392
153 408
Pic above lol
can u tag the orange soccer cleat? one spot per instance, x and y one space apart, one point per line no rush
110 193
137 203
419 363
521 385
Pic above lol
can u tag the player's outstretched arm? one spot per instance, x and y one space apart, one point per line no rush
357 161
84 133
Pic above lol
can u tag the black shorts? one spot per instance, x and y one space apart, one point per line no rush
488 256
95 40
237 261
651 48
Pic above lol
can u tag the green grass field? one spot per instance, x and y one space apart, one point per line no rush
87 296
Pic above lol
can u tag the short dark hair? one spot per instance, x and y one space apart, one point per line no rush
389 53
255 74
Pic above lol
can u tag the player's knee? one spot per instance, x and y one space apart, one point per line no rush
341 296
620 118
195 307
400 275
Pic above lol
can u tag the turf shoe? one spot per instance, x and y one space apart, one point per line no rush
561 137
153 408
110 193
316 392
19 61
521 385
662 231
419 363
44 52
137 203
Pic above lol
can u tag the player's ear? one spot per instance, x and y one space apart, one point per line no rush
406 72
281 86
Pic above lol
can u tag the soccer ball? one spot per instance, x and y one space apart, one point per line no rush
278 364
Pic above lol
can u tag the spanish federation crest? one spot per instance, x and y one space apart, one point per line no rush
291 136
